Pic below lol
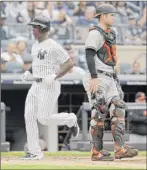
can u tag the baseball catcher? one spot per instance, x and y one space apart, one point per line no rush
103 88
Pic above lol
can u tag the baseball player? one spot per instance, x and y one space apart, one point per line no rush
103 88
50 62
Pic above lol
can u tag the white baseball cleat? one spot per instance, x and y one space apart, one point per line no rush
30 156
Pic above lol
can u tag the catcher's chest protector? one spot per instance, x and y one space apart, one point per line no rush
107 53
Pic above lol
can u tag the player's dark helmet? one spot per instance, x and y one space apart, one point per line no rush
105 9
42 22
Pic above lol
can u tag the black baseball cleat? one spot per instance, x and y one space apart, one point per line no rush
75 129
102 155
101 158
30 156
106 153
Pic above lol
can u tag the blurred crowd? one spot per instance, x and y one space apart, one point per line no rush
16 58
130 19
17 38
138 118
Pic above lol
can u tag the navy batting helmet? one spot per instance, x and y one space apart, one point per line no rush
105 9
41 21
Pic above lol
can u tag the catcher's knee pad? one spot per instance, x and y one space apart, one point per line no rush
118 102
119 107
99 105
96 133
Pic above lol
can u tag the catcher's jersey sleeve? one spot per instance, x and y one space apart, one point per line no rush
94 40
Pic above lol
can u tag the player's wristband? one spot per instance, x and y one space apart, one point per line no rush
94 76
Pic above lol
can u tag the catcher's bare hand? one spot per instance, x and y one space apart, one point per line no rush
94 83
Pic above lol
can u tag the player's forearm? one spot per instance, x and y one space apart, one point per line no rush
90 53
65 67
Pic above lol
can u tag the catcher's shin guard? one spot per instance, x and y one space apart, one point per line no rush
96 133
117 128
118 122
118 131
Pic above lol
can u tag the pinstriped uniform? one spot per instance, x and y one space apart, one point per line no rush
42 97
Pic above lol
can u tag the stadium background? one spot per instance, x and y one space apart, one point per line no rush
69 26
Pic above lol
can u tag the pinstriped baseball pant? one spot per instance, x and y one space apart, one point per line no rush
39 105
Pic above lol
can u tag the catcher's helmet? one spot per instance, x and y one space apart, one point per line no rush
104 9
41 21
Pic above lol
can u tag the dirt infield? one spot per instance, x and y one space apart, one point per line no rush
84 161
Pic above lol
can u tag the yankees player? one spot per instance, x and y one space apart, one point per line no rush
103 88
50 62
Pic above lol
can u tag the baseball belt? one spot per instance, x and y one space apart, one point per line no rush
105 73
39 80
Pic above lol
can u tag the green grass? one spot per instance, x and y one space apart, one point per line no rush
61 167
61 153
64 154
